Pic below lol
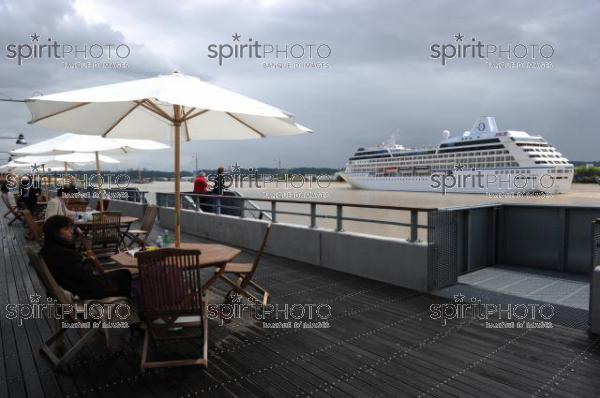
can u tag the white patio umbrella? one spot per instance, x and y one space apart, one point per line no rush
79 148
13 164
157 108
69 158
75 157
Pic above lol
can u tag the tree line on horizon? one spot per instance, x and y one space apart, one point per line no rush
154 174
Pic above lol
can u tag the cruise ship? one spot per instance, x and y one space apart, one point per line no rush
482 160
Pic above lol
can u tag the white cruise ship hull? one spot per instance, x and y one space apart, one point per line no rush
490 182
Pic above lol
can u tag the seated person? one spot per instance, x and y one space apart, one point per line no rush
74 272
32 199
4 184
57 206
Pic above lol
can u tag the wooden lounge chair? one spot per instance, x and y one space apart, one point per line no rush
65 298
139 236
35 230
172 289
12 210
244 273
106 232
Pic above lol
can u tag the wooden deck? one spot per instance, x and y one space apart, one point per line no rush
382 342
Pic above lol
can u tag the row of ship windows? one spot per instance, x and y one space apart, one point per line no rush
551 162
407 173
437 161
441 167
449 167
542 155
552 150
432 157
549 171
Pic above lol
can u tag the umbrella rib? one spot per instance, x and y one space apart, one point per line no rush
245 124
186 114
121 119
59 112
154 109
196 114
187 131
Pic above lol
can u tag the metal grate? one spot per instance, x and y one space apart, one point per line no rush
442 264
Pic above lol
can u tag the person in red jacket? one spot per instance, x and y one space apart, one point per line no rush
200 184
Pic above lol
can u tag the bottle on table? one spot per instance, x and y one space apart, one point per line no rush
166 239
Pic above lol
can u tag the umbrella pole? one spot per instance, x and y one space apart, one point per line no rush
45 181
65 176
177 123
99 178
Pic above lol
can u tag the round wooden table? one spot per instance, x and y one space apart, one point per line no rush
211 255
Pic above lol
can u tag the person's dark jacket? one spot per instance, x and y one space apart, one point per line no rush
76 275
31 202
218 186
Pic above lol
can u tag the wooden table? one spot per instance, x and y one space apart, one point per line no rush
212 255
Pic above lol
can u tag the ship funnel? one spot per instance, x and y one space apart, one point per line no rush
485 125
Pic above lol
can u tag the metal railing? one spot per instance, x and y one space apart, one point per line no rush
245 207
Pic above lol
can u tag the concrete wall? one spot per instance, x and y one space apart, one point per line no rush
398 262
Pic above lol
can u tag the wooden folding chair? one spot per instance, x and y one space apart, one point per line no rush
14 210
139 236
65 298
244 273
35 227
106 232
172 289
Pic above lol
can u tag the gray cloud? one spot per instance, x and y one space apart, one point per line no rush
380 79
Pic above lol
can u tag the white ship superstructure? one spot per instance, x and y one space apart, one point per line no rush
482 160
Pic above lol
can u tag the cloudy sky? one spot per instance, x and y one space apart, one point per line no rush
379 79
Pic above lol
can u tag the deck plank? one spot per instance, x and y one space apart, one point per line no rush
382 342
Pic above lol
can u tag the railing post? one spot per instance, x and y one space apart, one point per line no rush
340 218
313 215
273 211
414 222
